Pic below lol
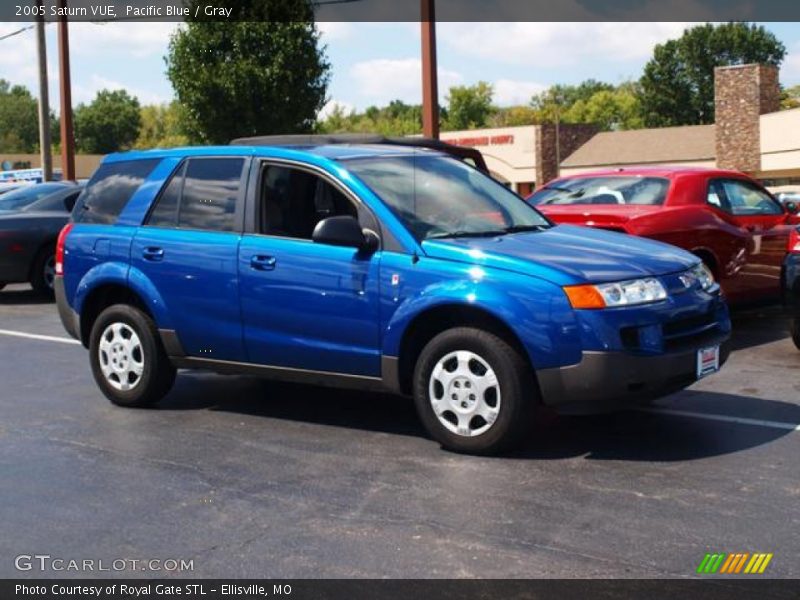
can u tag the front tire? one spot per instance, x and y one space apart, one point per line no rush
474 392
128 361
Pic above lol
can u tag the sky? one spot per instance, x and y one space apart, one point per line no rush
374 63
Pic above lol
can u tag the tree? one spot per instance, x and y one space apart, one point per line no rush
265 75
512 116
677 87
161 127
109 124
396 119
469 107
567 95
618 108
790 98
19 121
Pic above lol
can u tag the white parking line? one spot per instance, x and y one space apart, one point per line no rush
724 418
36 336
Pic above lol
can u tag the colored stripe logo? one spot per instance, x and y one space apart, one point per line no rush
735 563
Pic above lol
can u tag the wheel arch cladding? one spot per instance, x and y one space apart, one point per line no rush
108 284
542 342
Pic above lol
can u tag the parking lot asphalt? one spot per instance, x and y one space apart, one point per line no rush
255 479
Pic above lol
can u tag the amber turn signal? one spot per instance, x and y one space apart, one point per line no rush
584 296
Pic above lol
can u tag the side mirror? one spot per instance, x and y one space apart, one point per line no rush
791 207
344 231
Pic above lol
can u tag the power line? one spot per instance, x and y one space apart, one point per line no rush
17 32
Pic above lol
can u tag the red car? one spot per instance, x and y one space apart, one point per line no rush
725 217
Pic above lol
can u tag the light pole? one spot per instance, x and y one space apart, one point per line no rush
430 86
67 133
44 100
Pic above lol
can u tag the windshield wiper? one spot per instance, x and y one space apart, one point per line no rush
524 228
467 234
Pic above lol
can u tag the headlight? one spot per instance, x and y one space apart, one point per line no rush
623 293
700 273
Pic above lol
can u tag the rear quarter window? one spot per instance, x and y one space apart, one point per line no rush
109 190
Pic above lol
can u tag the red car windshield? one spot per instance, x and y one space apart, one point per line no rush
640 191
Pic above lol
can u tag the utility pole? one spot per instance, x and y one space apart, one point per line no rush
430 86
44 100
67 134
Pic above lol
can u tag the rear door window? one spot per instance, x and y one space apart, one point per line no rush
204 194
109 190
165 212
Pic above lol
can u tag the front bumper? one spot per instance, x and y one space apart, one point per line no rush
605 381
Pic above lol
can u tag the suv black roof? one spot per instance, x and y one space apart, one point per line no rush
460 152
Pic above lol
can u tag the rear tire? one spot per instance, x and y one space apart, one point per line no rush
794 327
128 360
474 392
43 272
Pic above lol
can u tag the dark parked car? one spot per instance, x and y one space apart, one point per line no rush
10 187
30 220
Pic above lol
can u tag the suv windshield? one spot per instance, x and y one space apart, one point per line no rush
437 196
641 191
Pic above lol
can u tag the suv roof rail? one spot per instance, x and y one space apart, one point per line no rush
461 152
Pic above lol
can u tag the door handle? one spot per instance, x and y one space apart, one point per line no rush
262 263
153 253
751 228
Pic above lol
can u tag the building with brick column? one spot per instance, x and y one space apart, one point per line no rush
751 134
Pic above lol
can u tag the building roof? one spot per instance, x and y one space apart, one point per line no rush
643 146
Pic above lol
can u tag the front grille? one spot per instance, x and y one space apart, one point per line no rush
689 331
689 325
674 335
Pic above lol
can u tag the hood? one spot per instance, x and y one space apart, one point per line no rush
567 255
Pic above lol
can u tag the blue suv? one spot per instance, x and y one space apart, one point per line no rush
376 267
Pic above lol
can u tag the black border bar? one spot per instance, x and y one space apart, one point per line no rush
409 589
409 10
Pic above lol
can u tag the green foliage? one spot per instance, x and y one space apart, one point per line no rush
161 127
250 77
469 107
618 108
597 102
560 95
677 87
513 116
790 98
396 119
19 121
109 124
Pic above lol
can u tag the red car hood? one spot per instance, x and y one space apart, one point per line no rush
606 216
